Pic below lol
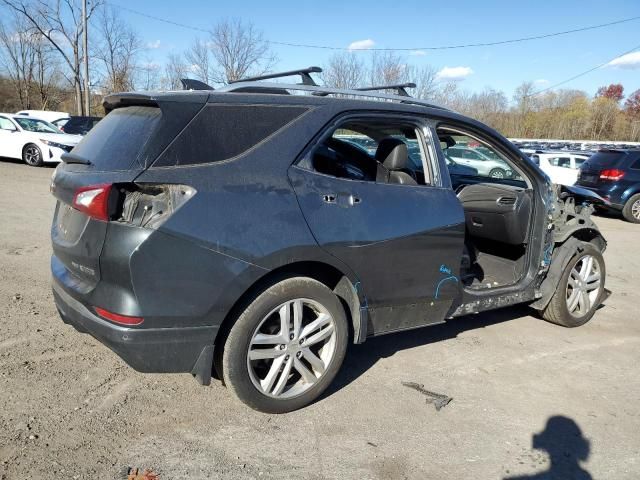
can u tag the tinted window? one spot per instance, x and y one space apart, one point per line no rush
564 162
117 141
605 159
636 165
223 132
80 125
579 162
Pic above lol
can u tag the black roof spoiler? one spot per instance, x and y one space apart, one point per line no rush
191 84
306 79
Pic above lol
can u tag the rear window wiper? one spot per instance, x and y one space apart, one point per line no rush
73 158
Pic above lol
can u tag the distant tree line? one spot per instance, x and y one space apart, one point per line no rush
41 57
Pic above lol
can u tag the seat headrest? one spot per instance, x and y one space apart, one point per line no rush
393 153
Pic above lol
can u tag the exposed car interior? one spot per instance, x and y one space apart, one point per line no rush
372 151
497 216
497 210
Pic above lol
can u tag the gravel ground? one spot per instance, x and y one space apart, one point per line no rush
528 397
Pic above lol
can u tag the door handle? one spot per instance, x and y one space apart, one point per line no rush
344 200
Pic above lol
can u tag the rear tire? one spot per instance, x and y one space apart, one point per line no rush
275 368
32 155
577 297
631 210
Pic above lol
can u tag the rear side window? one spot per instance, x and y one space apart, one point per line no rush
117 141
223 132
564 162
605 159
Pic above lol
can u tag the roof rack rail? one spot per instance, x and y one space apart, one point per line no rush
398 87
303 72
266 87
191 84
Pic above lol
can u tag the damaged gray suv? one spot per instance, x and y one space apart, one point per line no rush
237 233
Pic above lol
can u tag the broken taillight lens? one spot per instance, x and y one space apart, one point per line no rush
93 200
612 174
150 205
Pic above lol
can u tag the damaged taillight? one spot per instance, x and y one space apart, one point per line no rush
612 174
93 200
150 205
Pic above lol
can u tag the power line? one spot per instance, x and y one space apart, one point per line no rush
583 73
153 17
469 45
440 47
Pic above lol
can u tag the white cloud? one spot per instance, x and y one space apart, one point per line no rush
454 73
417 53
630 60
154 45
541 81
362 44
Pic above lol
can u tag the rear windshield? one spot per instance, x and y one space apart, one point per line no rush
118 140
605 159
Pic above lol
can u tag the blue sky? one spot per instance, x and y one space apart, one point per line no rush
425 23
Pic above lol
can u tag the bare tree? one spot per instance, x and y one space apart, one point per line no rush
46 76
174 70
344 70
60 23
425 80
239 50
149 76
18 57
199 58
117 52
387 68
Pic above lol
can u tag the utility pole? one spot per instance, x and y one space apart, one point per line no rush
87 94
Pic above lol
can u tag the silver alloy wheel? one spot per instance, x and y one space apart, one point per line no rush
32 155
583 286
291 348
635 209
497 173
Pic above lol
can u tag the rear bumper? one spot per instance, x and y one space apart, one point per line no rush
611 193
149 350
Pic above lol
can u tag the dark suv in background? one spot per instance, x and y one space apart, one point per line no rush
615 175
79 125
237 233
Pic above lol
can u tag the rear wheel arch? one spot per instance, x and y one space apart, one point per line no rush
345 289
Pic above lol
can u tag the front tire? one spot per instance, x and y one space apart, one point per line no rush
498 173
32 155
631 210
286 347
580 289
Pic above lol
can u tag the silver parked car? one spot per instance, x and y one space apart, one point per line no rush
483 163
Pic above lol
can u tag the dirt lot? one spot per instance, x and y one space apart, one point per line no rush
69 408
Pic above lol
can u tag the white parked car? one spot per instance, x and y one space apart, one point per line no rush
46 115
562 168
33 140
483 163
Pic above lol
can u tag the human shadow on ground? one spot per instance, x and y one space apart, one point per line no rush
566 446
